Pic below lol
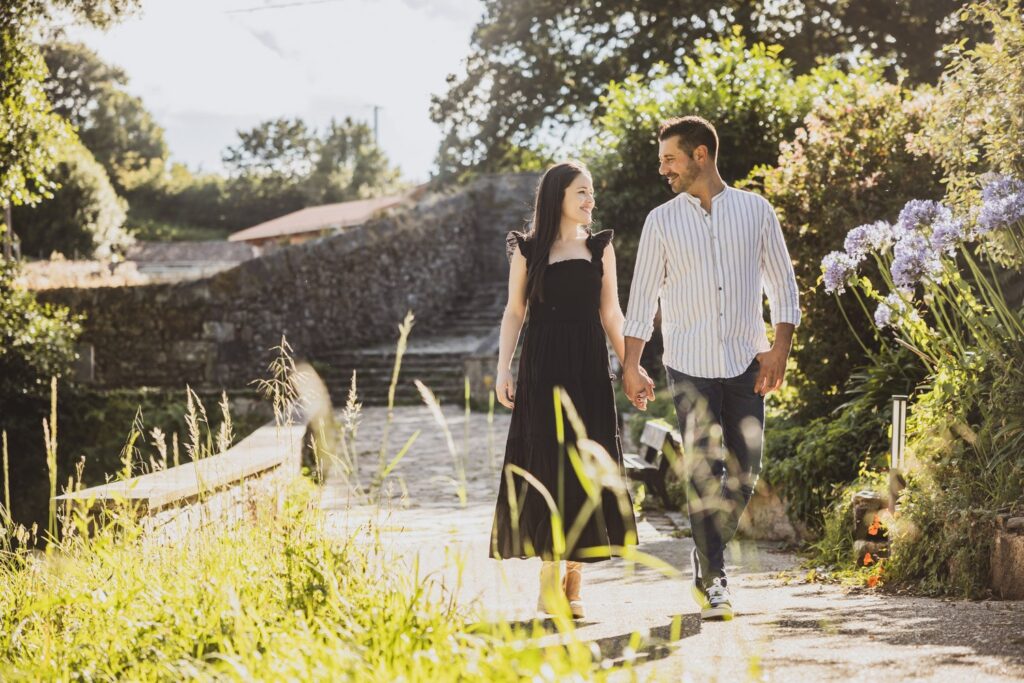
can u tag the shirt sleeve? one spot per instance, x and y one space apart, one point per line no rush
777 269
648 279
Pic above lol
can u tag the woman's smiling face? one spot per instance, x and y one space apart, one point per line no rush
578 202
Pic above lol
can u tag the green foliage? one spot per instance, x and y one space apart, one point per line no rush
281 166
36 342
113 124
30 132
848 164
94 426
966 430
748 91
180 205
272 597
964 435
537 68
809 461
834 547
975 124
83 217
278 167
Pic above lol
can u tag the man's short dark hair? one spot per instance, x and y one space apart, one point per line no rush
693 131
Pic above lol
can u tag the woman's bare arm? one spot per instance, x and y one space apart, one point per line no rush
511 326
611 312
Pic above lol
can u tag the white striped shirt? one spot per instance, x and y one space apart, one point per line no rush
710 272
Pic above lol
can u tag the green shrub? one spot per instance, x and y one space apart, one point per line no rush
848 164
809 462
37 342
84 217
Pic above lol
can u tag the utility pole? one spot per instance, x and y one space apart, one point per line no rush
376 127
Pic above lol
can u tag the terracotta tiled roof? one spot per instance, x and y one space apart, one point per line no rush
316 218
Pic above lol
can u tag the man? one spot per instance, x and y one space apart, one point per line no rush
707 254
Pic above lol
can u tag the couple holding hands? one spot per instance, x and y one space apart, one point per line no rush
709 255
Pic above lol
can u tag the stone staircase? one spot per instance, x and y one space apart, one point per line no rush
436 354
463 342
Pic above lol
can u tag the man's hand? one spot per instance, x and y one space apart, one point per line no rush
638 386
773 370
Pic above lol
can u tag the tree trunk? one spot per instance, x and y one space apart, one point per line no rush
8 234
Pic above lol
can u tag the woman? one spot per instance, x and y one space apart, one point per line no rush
565 276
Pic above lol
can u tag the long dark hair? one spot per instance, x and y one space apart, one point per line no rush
547 219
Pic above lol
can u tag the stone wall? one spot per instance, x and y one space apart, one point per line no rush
338 292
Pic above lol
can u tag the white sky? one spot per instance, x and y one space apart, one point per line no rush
205 72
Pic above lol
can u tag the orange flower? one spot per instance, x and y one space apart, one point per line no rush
876 525
868 559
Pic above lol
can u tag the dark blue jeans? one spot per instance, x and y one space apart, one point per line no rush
722 422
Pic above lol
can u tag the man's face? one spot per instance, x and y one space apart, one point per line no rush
676 166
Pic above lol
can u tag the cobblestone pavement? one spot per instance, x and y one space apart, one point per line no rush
785 629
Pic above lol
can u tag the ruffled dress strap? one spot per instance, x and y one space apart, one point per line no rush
597 243
517 239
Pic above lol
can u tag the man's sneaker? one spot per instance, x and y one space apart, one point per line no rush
700 595
718 606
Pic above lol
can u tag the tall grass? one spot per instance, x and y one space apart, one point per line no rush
271 597
274 595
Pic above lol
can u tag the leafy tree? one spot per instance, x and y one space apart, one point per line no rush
30 132
282 165
748 91
975 124
84 215
350 165
180 204
113 124
281 149
537 67
849 164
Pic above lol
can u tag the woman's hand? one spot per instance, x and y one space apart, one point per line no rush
505 388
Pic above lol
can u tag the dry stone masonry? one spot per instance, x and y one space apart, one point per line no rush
346 291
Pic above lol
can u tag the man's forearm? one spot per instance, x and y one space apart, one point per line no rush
783 336
634 349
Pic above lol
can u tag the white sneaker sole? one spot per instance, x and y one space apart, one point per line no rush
721 613
716 613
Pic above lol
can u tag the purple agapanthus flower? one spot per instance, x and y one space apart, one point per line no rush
837 267
892 308
864 239
947 233
1002 204
913 260
918 213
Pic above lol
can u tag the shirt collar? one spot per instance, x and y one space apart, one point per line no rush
696 200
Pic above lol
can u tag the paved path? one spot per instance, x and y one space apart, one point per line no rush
785 630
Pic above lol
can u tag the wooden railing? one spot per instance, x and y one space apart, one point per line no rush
216 487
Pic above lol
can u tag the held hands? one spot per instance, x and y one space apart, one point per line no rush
505 388
639 386
772 372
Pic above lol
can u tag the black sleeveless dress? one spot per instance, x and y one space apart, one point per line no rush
564 346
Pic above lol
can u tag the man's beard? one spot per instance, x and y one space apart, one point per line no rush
683 182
